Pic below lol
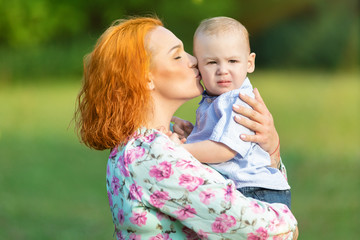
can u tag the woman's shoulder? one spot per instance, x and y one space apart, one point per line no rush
149 144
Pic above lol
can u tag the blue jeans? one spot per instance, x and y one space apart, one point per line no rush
268 195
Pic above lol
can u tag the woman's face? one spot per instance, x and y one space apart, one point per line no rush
173 72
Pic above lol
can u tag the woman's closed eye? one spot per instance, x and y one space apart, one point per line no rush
233 61
177 57
211 62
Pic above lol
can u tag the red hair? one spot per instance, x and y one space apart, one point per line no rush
114 99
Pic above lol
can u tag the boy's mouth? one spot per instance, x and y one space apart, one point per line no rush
224 83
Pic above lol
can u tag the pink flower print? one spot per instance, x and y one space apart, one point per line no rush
223 223
277 214
133 236
138 218
159 236
158 198
185 164
113 152
149 138
123 167
121 217
190 234
203 235
108 170
185 213
161 171
191 183
261 234
135 192
287 211
256 208
120 236
115 185
276 223
206 196
229 193
160 216
169 146
134 154
110 198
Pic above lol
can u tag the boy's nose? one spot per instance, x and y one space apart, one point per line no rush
221 70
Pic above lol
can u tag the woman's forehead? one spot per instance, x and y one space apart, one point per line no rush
162 40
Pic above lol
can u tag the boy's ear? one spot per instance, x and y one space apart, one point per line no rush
251 62
151 84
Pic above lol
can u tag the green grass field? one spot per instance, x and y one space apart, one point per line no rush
51 187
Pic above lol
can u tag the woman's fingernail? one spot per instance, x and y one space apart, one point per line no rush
238 118
242 136
236 106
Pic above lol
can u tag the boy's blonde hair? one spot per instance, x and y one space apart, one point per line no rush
219 25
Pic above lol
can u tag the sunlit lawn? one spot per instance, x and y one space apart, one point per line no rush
51 187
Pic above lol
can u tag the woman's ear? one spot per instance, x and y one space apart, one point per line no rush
151 84
251 62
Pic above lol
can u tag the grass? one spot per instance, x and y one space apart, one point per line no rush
54 188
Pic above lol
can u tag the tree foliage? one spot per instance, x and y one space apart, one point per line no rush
297 33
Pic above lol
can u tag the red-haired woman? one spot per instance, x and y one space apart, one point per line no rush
135 79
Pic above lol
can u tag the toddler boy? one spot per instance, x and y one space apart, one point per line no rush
222 48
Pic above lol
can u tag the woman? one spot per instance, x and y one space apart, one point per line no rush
135 79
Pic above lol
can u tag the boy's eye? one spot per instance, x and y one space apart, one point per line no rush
178 57
211 62
233 61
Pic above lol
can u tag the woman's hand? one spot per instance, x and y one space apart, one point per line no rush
261 122
296 233
182 127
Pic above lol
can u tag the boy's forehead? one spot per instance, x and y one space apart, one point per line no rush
222 37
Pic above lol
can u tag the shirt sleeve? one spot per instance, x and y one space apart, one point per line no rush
226 130
176 184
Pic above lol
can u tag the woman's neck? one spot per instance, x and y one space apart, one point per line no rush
162 114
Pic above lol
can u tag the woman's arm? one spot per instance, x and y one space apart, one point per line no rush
259 120
179 186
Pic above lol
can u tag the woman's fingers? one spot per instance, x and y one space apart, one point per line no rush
258 119
249 113
250 124
256 103
258 96
250 138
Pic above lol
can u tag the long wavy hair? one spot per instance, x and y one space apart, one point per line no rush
114 99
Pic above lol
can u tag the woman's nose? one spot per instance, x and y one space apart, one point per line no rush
192 61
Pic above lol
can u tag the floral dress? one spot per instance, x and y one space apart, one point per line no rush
158 190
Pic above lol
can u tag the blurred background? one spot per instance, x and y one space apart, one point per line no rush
307 70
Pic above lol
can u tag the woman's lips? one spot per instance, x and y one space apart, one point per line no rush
198 77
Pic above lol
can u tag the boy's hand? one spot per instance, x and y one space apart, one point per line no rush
176 138
173 136
182 127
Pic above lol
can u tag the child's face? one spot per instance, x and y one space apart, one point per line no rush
224 61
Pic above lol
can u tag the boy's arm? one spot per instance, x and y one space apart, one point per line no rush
210 152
